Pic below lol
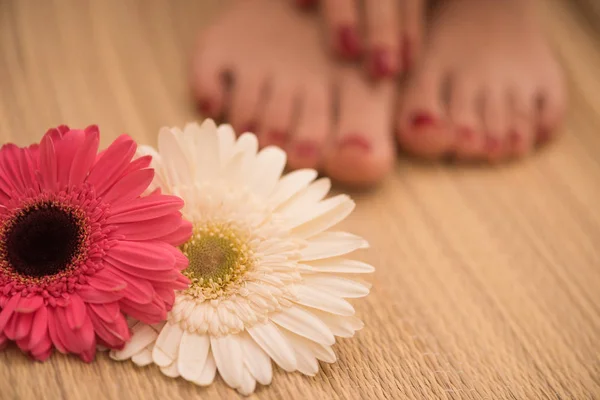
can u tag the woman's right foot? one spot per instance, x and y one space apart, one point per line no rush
487 88
283 86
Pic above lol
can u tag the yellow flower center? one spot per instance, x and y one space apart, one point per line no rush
219 256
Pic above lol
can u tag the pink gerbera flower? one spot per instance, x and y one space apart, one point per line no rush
80 245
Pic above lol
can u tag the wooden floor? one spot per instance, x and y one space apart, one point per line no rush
488 279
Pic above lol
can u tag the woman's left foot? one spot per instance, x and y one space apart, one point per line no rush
488 87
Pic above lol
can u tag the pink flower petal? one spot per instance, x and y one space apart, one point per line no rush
47 172
55 337
66 148
141 256
137 290
75 312
111 164
42 350
39 328
24 323
139 163
10 330
113 335
152 313
95 296
144 208
179 236
105 281
8 311
108 312
85 157
129 187
9 167
150 229
3 341
29 304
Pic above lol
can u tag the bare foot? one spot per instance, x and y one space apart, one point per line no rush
388 33
284 88
488 86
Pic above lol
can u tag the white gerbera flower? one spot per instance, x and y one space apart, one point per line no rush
269 281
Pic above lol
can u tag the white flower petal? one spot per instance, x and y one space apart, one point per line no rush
208 373
305 324
248 383
323 216
315 298
256 360
193 352
142 358
340 265
291 184
321 352
272 341
336 286
307 362
340 326
228 356
226 137
305 199
269 165
141 336
332 244
174 159
207 163
167 345
171 371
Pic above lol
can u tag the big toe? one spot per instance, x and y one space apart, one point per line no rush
362 152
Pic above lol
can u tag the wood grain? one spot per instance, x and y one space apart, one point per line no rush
488 279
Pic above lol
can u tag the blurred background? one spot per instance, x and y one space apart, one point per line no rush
487 281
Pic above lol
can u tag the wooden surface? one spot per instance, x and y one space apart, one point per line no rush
488 279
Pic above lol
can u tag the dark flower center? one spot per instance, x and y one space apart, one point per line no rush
43 240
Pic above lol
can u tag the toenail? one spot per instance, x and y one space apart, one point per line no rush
249 127
492 143
277 138
205 106
349 41
466 134
306 3
515 138
422 119
381 63
542 136
355 141
305 149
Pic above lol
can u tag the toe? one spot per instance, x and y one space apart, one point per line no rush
208 69
422 125
521 134
496 123
276 118
411 37
313 124
362 151
552 100
383 30
247 97
341 17
465 118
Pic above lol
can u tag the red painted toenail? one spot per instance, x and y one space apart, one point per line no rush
249 127
355 140
543 136
277 138
205 106
306 149
381 63
306 3
515 138
466 134
422 119
349 41
492 143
